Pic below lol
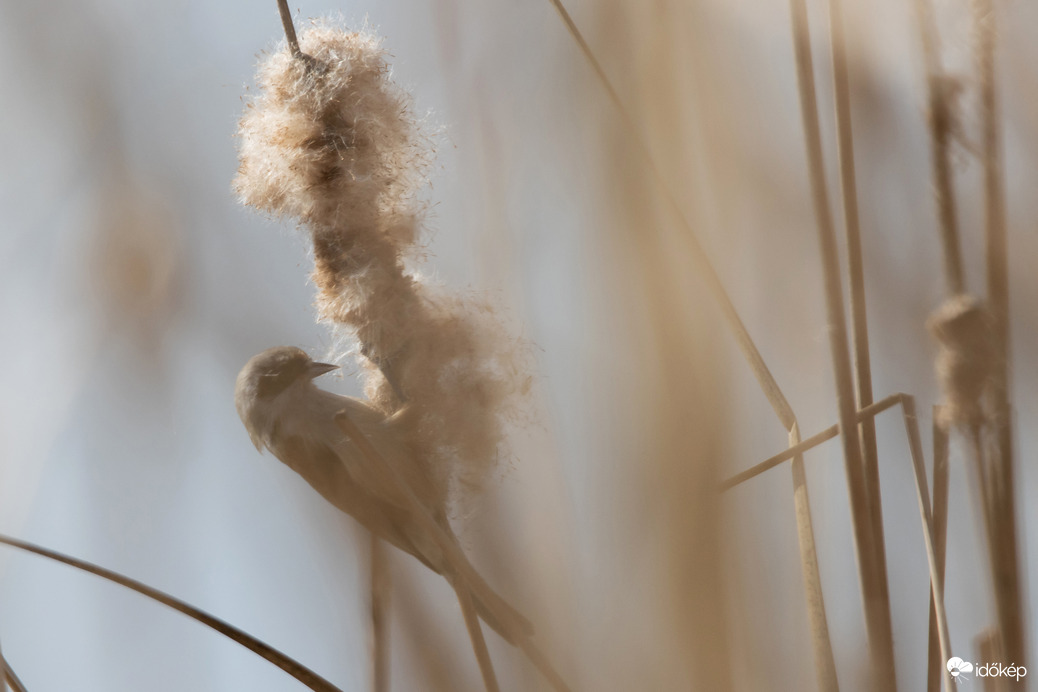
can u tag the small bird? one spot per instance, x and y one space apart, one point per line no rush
284 411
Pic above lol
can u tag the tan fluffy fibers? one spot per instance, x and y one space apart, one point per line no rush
331 141
962 326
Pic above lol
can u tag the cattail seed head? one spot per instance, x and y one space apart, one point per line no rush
331 141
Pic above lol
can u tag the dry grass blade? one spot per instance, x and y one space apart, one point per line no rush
935 660
295 669
464 571
873 580
825 664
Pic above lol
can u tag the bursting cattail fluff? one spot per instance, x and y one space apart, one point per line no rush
331 141
962 327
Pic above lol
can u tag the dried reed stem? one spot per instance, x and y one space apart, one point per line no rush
873 579
935 661
813 441
856 273
479 644
915 448
825 664
380 595
465 574
1006 567
294 668
941 120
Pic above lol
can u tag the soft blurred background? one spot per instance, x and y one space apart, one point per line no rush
133 287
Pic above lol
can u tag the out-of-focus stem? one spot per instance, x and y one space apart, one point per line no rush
940 122
379 616
873 580
1005 565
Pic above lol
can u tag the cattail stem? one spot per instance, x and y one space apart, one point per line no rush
379 616
290 29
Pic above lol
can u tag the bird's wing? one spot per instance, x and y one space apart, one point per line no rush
321 467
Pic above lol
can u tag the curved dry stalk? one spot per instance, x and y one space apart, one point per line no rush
291 666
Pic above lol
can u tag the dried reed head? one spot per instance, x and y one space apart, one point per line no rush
331 141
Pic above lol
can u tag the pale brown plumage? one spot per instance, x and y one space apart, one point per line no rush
284 411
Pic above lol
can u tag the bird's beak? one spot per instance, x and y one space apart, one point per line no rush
318 369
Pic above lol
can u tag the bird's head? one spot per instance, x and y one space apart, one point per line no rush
265 377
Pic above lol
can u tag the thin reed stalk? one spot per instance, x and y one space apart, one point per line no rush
934 547
935 661
1009 598
479 644
915 447
824 666
802 447
292 667
380 595
873 580
825 663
